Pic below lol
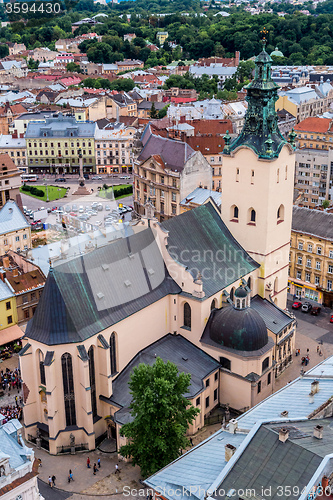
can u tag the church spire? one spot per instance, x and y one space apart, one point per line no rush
260 131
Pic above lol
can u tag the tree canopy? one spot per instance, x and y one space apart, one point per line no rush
161 415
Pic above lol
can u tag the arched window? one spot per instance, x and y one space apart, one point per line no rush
41 367
253 215
68 383
280 214
213 304
249 282
187 315
234 212
276 283
265 364
92 381
232 293
113 353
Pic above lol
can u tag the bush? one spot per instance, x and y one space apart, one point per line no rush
36 192
25 187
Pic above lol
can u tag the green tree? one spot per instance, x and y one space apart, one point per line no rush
153 111
325 204
4 50
73 67
161 415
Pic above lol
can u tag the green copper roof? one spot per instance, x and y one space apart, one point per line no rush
260 131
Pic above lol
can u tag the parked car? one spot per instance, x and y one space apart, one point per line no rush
81 209
97 178
86 176
124 177
74 208
297 304
331 319
61 179
107 208
99 207
315 310
306 307
94 205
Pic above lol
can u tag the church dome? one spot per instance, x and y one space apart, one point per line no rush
240 292
277 53
239 329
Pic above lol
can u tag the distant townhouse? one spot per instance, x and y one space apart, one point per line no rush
84 109
113 147
25 280
47 96
305 102
17 69
53 146
90 68
161 36
44 54
109 69
166 171
8 113
311 256
15 231
129 37
63 59
10 181
144 108
222 72
129 65
121 105
315 133
16 48
223 61
15 148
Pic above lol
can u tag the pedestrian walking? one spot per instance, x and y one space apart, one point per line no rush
99 463
117 469
88 463
95 469
318 349
307 351
53 479
50 481
191 442
70 476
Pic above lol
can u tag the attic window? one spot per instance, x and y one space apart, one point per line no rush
151 271
34 276
16 282
127 283
185 358
100 295
105 267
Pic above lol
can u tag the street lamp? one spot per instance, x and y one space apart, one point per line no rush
47 191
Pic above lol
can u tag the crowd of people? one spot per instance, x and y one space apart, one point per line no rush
10 380
10 412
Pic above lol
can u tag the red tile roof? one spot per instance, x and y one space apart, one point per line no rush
207 145
313 124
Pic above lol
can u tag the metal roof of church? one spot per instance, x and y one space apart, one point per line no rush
175 348
200 240
11 218
110 284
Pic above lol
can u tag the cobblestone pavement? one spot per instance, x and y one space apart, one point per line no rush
9 396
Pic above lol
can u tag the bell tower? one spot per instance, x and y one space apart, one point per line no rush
258 183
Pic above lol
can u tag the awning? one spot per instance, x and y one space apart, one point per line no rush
10 334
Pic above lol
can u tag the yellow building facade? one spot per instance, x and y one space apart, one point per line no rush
311 256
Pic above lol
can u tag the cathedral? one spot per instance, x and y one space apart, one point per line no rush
206 290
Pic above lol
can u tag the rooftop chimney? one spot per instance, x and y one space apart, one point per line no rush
318 432
233 424
315 386
229 450
311 398
2 274
283 435
284 413
5 261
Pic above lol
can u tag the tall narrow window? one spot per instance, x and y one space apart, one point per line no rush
41 368
187 315
236 212
253 215
252 176
213 304
92 381
113 353
68 383
286 173
278 175
237 174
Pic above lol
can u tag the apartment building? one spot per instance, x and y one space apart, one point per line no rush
311 256
15 148
25 280
113 148
166 171
54 146
315 133
313 174
8 113
121 105
10 180
15 231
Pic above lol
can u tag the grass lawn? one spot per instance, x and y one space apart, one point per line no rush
102 192
54 192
